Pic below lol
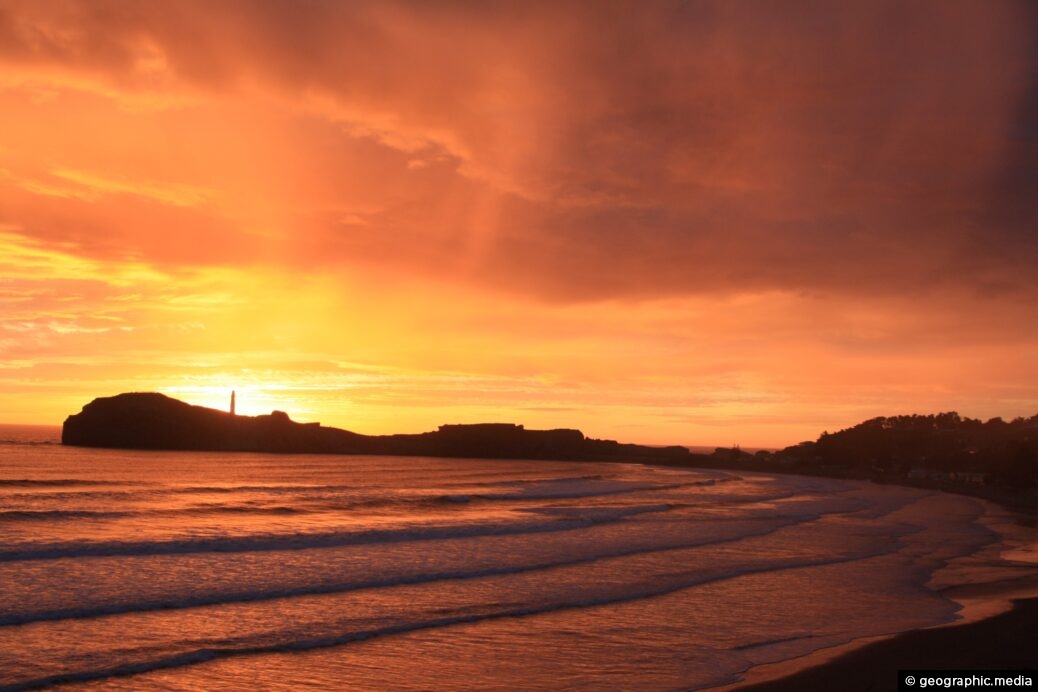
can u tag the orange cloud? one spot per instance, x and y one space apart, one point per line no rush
655 222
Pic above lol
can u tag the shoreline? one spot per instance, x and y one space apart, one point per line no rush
1001 642
994 630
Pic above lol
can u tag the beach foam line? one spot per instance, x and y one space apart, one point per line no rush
1000 642
561 519
337 497
573 488
59 482
213 599
71 489
48 514
768 642
271 542
212 489
208 654
89 514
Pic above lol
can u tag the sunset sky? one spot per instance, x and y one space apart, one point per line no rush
727 222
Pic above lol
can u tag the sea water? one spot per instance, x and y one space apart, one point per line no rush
194 570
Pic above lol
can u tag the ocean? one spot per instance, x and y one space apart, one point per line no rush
222 571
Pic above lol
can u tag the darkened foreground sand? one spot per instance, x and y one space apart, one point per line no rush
1004 642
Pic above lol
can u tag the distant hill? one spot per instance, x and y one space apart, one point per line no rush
945 451
1005 453
155 421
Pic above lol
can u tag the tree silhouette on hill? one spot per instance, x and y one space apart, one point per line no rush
945 445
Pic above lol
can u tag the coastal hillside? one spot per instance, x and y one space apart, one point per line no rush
945 445
995 459
154 421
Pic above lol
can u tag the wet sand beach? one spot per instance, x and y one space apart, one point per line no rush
1008 641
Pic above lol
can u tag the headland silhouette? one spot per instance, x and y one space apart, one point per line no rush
997 460
156 421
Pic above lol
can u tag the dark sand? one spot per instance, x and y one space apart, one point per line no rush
1008 641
